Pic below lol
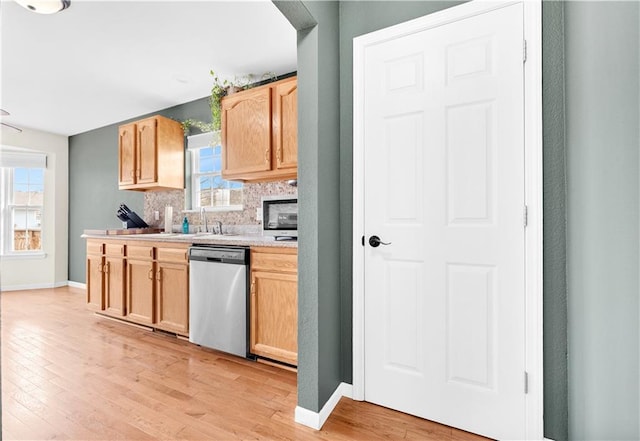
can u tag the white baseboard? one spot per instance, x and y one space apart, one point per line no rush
548 439
77 285
34 286
316 420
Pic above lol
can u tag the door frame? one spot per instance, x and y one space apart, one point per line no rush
533 190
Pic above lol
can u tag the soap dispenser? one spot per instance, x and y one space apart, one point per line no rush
185 225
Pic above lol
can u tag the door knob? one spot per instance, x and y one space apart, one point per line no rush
375 241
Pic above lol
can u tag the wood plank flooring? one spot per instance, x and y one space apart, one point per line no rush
68 374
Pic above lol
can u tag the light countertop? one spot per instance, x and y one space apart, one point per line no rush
198 239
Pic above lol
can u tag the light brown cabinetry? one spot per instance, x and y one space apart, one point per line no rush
140 288
95 282
259 130
113 274
274 304
151 155
142 282
285 125
172 289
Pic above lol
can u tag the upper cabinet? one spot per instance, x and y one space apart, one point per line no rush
259 130
151 155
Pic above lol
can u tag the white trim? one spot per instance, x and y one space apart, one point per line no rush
316 420
533 233
24 255
534 403
34 286
79 285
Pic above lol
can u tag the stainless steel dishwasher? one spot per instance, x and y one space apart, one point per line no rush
218 280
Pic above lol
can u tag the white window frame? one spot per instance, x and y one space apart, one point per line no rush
9 161
194 144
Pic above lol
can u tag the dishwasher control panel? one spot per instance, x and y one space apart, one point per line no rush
232 255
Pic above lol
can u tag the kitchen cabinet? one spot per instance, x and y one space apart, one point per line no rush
140 288
285 125
259 131
113 276
172 289
274 304
142 282
151 155
95 283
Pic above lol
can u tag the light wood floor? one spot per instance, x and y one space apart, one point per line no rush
68 374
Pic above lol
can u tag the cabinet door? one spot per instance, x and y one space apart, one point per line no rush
246 132
95 287
114 286
285 125
127 154
147 151
274 316
172 297
140 291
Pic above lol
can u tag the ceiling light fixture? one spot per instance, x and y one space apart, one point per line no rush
45 6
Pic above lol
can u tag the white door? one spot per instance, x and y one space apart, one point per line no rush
444 317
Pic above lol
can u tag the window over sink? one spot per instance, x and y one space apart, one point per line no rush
205 187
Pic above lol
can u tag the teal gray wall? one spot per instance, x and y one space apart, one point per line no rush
602 143
554 225
594 381
93 181
319 303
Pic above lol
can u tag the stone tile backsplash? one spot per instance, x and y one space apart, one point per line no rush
232 220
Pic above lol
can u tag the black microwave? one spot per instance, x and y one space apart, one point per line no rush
280 216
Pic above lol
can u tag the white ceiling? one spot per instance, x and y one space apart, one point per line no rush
101 62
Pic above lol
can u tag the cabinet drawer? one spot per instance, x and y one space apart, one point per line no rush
177 255
285 261
114 249
94 247
140 252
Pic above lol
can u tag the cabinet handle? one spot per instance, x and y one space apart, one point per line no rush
150 274
253 288
100 268
267 156
106 267
159 274
279 155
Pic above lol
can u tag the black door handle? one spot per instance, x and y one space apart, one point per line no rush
375 241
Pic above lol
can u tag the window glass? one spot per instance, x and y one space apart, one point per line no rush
208 188
23 199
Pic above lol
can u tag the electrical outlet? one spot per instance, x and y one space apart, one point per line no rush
156 215
259 214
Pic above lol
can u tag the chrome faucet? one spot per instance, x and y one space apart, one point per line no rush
203 219
219 224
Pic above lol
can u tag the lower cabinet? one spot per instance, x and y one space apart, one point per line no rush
145 283
113 270
274 304
95 280
172 290
140 287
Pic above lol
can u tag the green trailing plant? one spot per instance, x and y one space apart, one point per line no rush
222 87
202 126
